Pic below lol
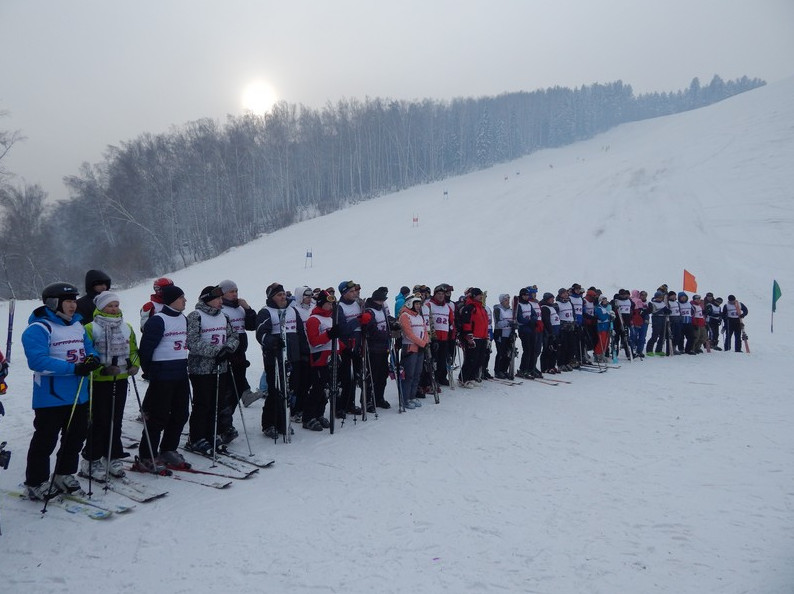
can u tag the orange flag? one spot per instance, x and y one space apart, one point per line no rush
690 284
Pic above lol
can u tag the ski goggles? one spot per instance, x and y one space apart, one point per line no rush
349 286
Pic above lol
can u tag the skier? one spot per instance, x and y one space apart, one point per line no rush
504 332
639 323
568 344
473 321
733 315
320 333
298 350
687 330
114 341
96 281
210 342
349 319
700 336
530 331
443 316
604 316
415 338
242 317
713 311
659 311
155 303
61 356
376 355
674 321
163 356
550 316
268 334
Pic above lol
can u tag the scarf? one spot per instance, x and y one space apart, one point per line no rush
111 339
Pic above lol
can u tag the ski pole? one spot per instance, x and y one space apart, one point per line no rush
215 424
110 433
240 408
65 437
90 429
145 424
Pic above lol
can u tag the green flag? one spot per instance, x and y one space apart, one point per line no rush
776 293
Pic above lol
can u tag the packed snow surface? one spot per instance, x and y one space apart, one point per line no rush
666 475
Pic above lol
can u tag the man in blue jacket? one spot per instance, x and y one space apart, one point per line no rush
61 355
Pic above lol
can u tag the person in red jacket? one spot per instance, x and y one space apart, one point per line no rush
320 332
474 337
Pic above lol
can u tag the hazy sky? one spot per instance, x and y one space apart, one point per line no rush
78 75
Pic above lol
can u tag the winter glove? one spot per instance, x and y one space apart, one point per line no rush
277 344
132 370
539 326
365 318
470 341
3 369
490 334
434 347
333 332
223 354
112 370
89 364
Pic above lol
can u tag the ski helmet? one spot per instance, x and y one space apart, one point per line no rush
160 283
54 294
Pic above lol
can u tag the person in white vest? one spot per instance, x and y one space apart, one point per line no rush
242 317
269 322
163 356
733 313
415 338
211 340
61 355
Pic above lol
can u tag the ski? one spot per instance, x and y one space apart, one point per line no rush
206 472
204 481
82 497
227 461
548 382
591 369
601 366
504 382
240 457
58 501
134 490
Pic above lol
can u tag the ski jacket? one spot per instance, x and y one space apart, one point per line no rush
550 316
126 351
297 343
526 317
208 331
414 330
603 315
377 329
731 312
503 322
53 346
474 319
241 319
85 304
163 347
317 327
443 319
151 307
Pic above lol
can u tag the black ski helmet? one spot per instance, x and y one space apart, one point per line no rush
54 294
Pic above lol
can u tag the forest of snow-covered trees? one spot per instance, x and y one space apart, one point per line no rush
160 202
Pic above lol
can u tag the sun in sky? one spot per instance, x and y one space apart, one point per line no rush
258 97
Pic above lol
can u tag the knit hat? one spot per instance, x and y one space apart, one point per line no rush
682 294
104 298
380 294
170 293
533 289
547 296
324 297
209 293
503 296
475 292
273 289
695 297
658 294
523 291
404 290
731 298
227 285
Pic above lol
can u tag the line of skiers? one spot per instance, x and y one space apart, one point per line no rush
315 348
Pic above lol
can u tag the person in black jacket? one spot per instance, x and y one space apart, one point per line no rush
163 355
377 327
96 282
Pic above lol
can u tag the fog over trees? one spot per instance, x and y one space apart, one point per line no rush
157 203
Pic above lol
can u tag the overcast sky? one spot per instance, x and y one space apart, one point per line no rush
77 76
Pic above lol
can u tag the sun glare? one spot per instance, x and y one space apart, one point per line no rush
259 97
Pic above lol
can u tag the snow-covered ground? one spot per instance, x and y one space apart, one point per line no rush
662 476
